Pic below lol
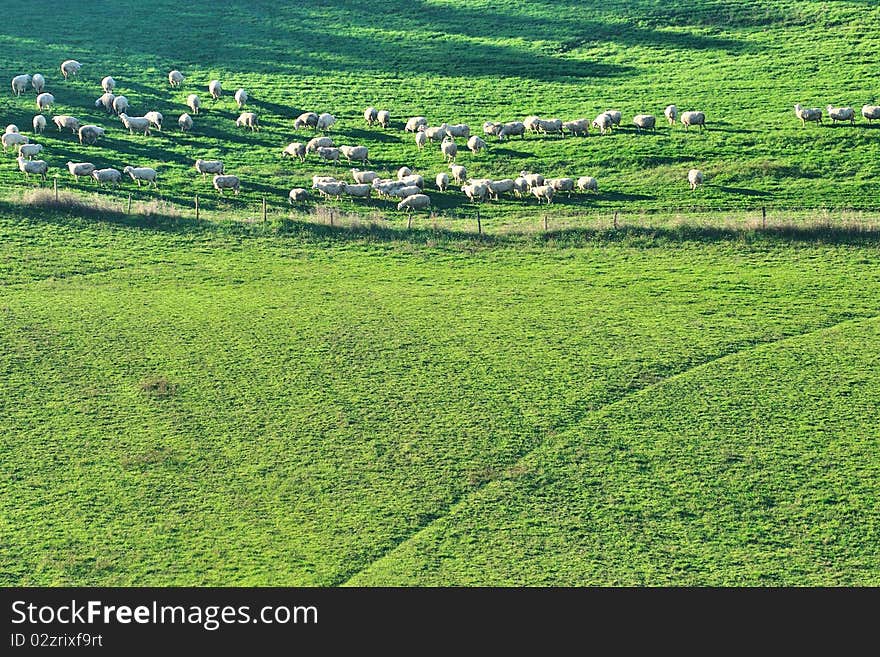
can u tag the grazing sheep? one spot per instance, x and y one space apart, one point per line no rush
39 123
363 176
587 183
175 78
309 119
415 122
38 82
155 118
693 118
462 130
328 153
871 112
370 115
544 193
318 142
404 191
413 179
248 120
433 132
671 114
241 98
11 128
29 150
185 122
475 191
139 123
355 153
44 101
421 138
415 202
530 123
360 190
107 175
193 102
695 178
330 188
615 115
384 118
64 121
106 101
459 173
576 127
316 178
325 122
138 174
37 167
70 67
216 90
603 122
295 149
403 172
511 129
550 126
442 181
297 195
205 167
13 139
20 84
386 187
808 114
108 84
491 128
532 179
841 114
227 182
78 169
562 185
476 144
120 105
89 134
645 122
449 148
498 187
520 187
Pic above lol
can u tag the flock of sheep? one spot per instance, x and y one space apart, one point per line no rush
844 114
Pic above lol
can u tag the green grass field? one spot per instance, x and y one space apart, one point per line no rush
680 401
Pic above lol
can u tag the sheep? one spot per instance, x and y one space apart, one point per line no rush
603 122
475 191
205 167
576 127
695 178
459 173
415 202
29 150
139 123
155 118
318 142
544 192
615 115
295 149
44 101
89 134
63 121
403 172
671 114
37 167
462 130
532 179
297 195
357 153
498 187
476 144
309 119
11 128
108 84
808 114
530 123
106 101
216 90
841 114
121 105
175 78
587 183
491 128
386 186
193 102
78 169
138 174
328 153
248 120
562 185
325 122
520 187
184 122
403 191
363 176
241 98
645 122
415 122
442 181
550 126
871 112
511 129
38 82
20 83
421 138
107 175
434 132
39 123
227 182
449 148
370 115
70 67
384 118
330 188
13 139
361 190
413 179
324 179
693 118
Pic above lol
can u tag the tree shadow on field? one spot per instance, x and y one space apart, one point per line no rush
742 191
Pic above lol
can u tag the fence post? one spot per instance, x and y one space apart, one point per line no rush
331 217
763 217
264 209
197 207
545 223
616 224
55 186
128 211
408 220
479 224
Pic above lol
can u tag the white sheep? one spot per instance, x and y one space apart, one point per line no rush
370 115
403 172
360 190
108 175
36 167
139 123
363 176
530 123
415 202
459 173
325 122
227 182
615 115
306 119
871 112
205 167
499 187
295 149
11 128
442 181
330 188
385 187
63 121
120 105
511 129
462 130
413 179
215 89
38 82
328 153
185 122
45 100
70 67
562 185
20 84
841 114
297 195
520 187
476 144
404 191
241 98
318 142
645 122
248 120
80 169
106 101
30 151
491 128
355 153
550 126
39 123
695 178
449 148
603 122
384 118
147 174
421 138
475 191
193 102
805 114
693 118
576 127
155 118
544 193
108 84
89 134
415 122
671 114
175 78
532 179
13 139
588 183
434 132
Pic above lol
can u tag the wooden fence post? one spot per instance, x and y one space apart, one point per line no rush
264 209
479 224
545 223
331 217
55 186
409 220
197 207
128 211
763 217
616 224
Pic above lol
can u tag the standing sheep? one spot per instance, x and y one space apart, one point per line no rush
603 122
30 151
370 115
175 78
576 127
205 167
449 148
297 195
459 173
421 138
475 191
38 82
36 167
384 118
871 112
108 84
39 123
434 132
120 105
78 169
543 193
671 114
70 67
645 122
107 175
562 185
45 101
415 202
615 115
20 84
248 120
841 114
363 176
155 118
63 121
476 144
185 122
325 122
306 119
359 190
295 149
227 182
89 134
805 114
241 98
328 153
511 129
139 123
193 102
356 153
403 172
462 130
215 89
693 118
147 174
587 183
106 101
695 178
318 142
415 122
442 181
13 139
